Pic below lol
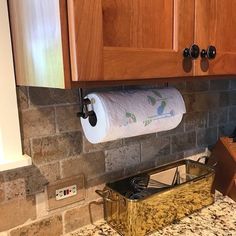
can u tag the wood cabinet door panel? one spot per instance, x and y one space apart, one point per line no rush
130 39
138 24
215 25
86 39
145 39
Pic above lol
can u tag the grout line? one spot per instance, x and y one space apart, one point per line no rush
60 169
55 121
63 223
171 147
28 97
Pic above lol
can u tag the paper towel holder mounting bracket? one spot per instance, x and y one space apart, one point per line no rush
83 109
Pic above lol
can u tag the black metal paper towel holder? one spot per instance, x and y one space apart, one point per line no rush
83 109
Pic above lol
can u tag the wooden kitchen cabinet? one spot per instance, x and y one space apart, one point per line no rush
215 25
64 44
74 43
127 39
40 42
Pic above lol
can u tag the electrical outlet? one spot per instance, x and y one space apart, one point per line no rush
66 192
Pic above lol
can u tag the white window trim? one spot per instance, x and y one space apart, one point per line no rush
10 140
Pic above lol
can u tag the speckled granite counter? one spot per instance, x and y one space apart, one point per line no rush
218 219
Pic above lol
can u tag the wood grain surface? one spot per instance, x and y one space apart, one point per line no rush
146 55
86 40
215 25
37 43
138 24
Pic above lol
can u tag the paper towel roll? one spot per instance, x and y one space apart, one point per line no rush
123 114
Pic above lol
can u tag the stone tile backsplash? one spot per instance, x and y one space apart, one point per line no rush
56 147
52 135
49 226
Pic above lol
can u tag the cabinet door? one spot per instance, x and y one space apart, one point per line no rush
130 39
216 25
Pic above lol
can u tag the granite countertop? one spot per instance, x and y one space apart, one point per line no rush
217 219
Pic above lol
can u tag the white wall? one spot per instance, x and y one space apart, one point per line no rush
10 140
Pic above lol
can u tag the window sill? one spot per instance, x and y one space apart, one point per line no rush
18 162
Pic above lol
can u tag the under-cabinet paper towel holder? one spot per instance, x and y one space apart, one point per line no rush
83 109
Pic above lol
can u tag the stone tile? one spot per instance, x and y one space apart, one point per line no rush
17 212
48 96
217 117
22 97
141 87
66 118
206 137
194 120
15 189
56 147
26 147
160 85
159 161
190 101
2 189
51 172
105 178
51 226
183 142
227 129
233 84
194 151
220 84
38 122
205 101
4 233
224 99
30 178
181 86
102 89
82 216
232 114
138 139
91 195
2 195
150 150
177 130
163 160
197 85
232 98
90 164
139 168
89 147
122 157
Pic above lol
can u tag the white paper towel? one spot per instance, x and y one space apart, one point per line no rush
134 112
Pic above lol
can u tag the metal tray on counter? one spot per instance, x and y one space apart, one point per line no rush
146 202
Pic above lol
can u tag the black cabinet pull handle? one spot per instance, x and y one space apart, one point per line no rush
192 52
210 53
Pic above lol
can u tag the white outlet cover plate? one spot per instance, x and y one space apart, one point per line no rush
66 192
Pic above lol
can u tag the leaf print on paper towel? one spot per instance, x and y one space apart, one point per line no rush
161 108
131 117
157 93
147 122
151 100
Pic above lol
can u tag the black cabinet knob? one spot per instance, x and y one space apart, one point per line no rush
186 52
192 52
203 53
210 53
